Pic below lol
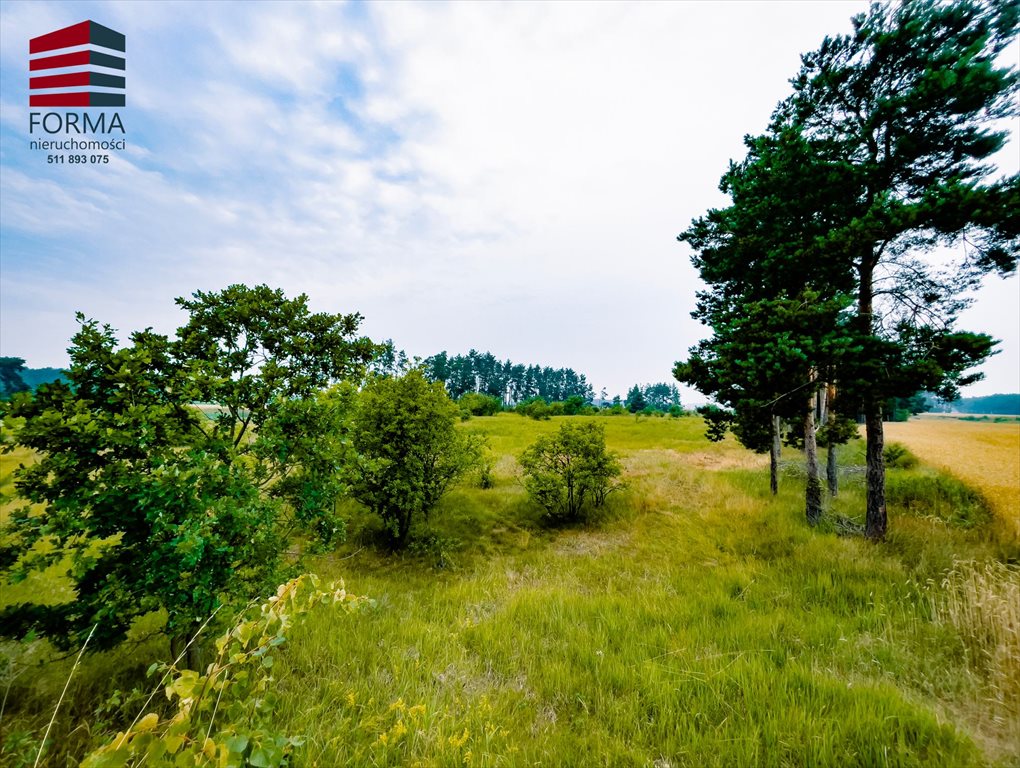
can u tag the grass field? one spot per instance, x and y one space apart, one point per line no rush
701 622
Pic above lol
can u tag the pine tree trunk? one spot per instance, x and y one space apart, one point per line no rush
774 452
827 395
876 521
813 493
875 516
831 470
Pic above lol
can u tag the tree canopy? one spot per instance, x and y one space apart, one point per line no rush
11 377
155 503
880 156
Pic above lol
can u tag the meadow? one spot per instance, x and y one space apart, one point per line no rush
699 622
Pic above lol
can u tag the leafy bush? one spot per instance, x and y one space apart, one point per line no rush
574 406
485 477
570 473
535 407
404 431
435 549
478 404
155 505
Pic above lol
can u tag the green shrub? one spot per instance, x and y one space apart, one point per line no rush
477 404
485 476
409 449
898 456
574 406
535 407
226 715
157 506
435 549
937 495
570 473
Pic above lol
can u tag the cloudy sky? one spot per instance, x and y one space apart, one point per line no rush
508 178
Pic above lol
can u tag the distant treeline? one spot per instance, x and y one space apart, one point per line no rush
661 397
33 377
1004 405
15 377
505 380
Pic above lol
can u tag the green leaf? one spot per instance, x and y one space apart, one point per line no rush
156 750
115 759
260 758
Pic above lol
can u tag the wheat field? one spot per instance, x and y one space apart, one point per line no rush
985 455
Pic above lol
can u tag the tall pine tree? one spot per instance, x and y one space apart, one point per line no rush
879 157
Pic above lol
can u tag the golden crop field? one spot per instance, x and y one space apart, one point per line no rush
985 455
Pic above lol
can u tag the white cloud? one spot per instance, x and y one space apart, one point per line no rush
504 176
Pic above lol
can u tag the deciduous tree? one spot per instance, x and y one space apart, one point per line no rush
410 449
154 504
570 473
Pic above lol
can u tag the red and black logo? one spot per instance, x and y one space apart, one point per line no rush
73 63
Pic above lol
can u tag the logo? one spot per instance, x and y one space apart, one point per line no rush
78 66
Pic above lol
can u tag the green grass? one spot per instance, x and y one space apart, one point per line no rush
700 622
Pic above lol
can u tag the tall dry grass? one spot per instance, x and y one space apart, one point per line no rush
981 601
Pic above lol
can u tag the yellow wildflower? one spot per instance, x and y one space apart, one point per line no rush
459 741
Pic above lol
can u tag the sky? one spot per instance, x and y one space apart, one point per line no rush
504 177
